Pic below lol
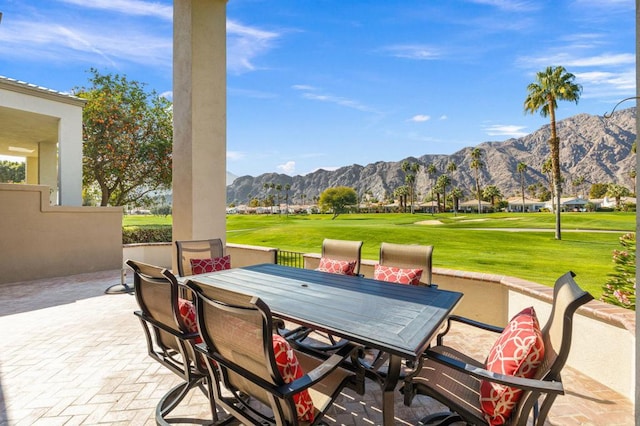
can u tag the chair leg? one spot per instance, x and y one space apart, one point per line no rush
440 419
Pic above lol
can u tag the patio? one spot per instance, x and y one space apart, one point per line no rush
73 355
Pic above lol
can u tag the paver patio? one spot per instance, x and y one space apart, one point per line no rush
72 355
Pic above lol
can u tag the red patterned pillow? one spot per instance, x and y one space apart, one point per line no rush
397 275
518 352
290 370
188 314
343 267
202 266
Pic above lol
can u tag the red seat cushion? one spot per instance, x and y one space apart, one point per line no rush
518 352
343 267
290 370
202 266
397 275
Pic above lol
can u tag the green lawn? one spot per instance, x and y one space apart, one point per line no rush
493 243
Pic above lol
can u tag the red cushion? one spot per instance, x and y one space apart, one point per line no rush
290 370
518 352
343 267
202 266
188 314
397 275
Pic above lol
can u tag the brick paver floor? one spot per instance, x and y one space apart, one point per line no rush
72 355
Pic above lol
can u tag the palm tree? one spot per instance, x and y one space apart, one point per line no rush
522 168
632 175
492 192
443 182
456 194
287 187
432 171
617 191
451 168
551 85
410 170
401 192
476 165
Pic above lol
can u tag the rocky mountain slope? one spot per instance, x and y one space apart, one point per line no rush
592 147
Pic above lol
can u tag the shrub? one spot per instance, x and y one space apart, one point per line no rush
620 288
146 234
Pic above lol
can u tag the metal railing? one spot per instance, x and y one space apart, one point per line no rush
290 258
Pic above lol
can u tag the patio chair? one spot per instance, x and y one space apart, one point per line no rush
408 256
238 337
343 250
466 386
170 336
187 250
337 256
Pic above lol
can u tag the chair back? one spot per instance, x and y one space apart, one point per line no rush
196 249
556 333
343 250
157 292
411 256
237 331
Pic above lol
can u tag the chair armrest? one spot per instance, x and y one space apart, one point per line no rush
164 327
467 321
314 376
535 385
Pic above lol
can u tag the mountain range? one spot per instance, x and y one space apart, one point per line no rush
593 149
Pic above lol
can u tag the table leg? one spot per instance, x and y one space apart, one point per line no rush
388 390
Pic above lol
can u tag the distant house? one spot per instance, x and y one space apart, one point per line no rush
610 203
569 204
472 206
530 205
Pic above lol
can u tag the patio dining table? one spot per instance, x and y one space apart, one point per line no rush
397 319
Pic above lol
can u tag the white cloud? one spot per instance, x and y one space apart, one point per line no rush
510 5
443 117
288 168
309 92
420 118
235 155
414 51
245 44
127 7
505 130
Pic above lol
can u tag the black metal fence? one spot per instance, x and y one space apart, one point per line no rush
290 258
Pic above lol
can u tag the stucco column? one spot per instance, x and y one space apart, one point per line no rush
48 169
199 108
70 157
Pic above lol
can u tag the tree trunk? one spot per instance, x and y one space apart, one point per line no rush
555 165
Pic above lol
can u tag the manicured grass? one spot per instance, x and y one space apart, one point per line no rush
489 243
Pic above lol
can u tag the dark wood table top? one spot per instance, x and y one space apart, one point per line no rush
395 318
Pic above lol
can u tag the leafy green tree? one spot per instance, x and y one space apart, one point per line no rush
12 171
338 199
620 288
551 85
476 165
598 190
522 168
128 135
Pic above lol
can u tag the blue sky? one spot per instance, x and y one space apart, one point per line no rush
327 83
